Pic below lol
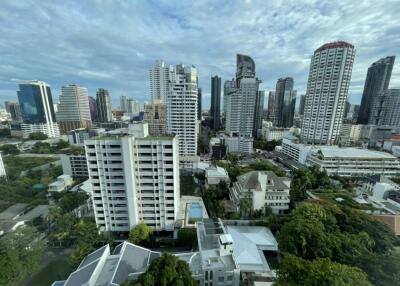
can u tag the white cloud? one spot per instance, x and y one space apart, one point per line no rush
112 44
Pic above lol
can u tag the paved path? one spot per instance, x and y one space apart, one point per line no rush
23 155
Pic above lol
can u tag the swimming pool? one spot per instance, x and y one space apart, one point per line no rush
195 212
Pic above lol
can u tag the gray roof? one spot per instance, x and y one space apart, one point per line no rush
250 180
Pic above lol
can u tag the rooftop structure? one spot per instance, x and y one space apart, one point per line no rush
216 174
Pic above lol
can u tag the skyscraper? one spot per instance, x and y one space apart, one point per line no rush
134 178
74 111
378 78
123 103
215 109
302 104
103 103
271 102
133 107
258 113
284 103
199 99
327 91
155 114
182 113
37 109
15 111
160 77
386 108
240 98
92 108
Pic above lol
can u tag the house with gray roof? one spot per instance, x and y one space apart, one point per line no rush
262 189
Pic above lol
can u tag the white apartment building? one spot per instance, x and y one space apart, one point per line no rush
239 144
293 149
37 109
353 161
73 110
160 77
155 114
327 91
274 133
263 189
2 169
182 107
134 179
74 165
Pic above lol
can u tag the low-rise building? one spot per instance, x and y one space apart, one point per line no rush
274 133
243 145
216 174
74 165
353 161
62 183
294 150
2 169
78 136
262 189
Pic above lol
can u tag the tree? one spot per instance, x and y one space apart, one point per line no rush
20 254
141 234
9 149
187 237
295 271
166 270
71 200
37 136
61 144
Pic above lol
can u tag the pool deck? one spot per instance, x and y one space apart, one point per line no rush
183 214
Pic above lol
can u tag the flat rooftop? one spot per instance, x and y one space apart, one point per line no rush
350 152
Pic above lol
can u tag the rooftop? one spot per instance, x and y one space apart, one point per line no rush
351 152
334 45
251 180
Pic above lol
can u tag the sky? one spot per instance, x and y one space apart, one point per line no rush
113 44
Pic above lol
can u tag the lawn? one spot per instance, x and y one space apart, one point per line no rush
15 165
187 185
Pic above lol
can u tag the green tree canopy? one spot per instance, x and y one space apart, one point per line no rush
295 271
141 234
37 136
9 149
166 270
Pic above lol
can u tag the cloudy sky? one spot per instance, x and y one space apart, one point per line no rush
113 44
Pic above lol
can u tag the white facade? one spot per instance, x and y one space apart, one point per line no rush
327 91
263 189
239 144
2 169
134 180
295 150
182 113
133 107
74 165
215 175
63 182
160 77
50 129
274 133
73 110
353 161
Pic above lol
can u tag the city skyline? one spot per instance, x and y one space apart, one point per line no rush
84 47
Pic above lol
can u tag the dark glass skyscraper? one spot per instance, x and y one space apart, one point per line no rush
199 104
215 109
285 102
302 104
36 103
378 78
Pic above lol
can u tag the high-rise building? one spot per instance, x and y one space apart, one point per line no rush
15 111
134 178
258 114
302 104
103 102
271 102
215 109
133 107
327 91
182 113
378 78
199 104
240 98
155 114
74 110
386 108
160 77
93 108
285 102
37 109
123 103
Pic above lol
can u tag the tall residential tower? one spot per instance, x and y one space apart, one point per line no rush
377 81
73 110
327 91
160 77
